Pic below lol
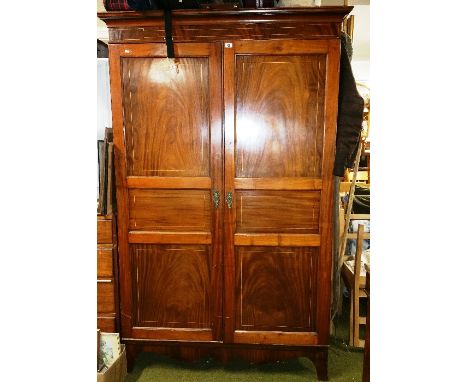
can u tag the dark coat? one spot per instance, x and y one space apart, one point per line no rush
350 114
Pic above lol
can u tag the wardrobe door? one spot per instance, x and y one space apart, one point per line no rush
280 122
168 147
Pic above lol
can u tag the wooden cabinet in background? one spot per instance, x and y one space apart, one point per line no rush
107 274
224 180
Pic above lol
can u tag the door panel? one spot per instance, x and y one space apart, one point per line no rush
168 139
170 210
279 115
172 286
162 105
278 132
275 287
257 211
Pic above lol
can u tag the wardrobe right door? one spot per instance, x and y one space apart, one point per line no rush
280 124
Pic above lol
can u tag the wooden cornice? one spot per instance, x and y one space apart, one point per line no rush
215 25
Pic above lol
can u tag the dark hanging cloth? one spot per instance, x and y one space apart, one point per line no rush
102 49
350 113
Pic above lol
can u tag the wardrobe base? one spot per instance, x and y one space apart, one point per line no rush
226 352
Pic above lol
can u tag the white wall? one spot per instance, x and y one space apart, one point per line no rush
104 116
361 43
102 32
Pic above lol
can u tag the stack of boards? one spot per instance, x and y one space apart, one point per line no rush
105 200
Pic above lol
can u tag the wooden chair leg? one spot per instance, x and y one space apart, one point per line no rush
356 320
351 319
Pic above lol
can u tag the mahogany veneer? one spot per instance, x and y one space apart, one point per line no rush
224 180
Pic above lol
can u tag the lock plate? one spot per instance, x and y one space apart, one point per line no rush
216 199
229 199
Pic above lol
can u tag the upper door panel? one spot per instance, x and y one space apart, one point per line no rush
167 116
279 115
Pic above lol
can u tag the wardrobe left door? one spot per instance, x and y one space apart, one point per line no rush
167 122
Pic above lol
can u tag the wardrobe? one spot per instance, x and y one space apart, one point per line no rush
224 160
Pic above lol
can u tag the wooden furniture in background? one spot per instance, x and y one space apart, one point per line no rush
362 176
107 274
224 161
366 361
355 281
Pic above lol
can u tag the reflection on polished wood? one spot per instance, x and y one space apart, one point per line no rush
275 287
169 210
257 211
168 182
279 115
277 239
172 285
277 183
166 116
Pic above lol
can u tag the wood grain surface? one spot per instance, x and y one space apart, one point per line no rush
275 287
211 25
275 337
168 127
194 32
278 239
277 183
257 211
279 115
326 202
151 237
105 296
107 323
170 210
166 116
253 114
274 128
172 286
173 334
104 231
169 182
105 260
120 169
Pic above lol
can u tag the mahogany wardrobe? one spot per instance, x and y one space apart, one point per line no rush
224 159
